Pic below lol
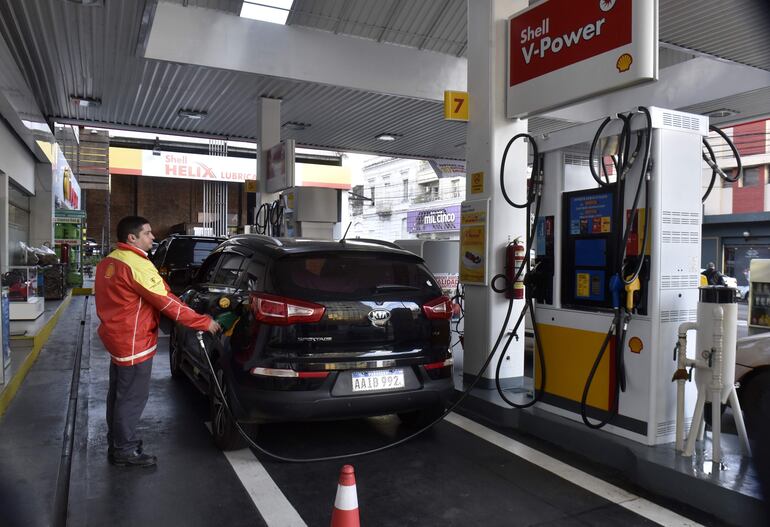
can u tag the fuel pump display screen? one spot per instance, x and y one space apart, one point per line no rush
588 248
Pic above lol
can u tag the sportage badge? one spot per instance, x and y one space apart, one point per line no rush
379 317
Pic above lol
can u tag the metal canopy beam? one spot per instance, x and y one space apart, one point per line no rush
688 83
218 40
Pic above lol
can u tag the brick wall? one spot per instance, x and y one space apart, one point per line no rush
750 198
750 138
163 201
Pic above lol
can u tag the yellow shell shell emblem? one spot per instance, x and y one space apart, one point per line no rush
635 345
110 270
624 62
224 302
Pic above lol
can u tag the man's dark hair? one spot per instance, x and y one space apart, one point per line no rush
130 225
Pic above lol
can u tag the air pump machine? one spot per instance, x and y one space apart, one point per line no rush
578 246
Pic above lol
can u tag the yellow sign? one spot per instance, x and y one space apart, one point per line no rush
583 285
456 105
251 185
477 183
473 242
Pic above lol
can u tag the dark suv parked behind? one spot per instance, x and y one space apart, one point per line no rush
179 257
318 330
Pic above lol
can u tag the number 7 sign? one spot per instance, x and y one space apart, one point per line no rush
456 105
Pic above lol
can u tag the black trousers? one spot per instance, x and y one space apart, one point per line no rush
126 399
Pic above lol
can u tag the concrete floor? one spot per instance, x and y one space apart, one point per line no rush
448 476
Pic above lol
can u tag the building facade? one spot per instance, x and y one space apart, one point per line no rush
736 216
399 199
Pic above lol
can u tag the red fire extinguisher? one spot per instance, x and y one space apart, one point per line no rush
514 259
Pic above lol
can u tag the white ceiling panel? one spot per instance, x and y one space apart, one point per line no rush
64 50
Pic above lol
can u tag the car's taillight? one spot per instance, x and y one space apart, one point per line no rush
281 311
438 309
440 364
278 372
439 370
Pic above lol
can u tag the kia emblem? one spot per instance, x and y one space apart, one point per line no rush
379 317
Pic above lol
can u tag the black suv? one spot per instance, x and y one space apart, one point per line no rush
317 330
179 257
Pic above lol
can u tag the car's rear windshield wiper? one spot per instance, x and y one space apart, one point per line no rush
395 287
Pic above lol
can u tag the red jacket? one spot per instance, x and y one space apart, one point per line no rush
130 297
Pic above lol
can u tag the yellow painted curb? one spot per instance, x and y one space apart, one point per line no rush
39 340
82 291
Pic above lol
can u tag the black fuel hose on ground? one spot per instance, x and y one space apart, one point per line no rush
388 446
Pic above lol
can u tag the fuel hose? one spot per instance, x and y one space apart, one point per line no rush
388 446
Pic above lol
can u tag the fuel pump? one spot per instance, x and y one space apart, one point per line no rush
618 264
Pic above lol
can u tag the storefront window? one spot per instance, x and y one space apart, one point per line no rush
738 260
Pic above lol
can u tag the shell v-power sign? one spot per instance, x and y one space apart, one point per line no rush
564 51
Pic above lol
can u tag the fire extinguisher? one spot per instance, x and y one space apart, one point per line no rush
514 259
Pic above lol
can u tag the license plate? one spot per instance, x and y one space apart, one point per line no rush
376 380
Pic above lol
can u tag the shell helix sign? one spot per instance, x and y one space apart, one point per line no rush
565 51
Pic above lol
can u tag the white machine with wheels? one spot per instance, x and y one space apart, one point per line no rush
608 343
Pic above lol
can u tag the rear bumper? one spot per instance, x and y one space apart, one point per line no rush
256 405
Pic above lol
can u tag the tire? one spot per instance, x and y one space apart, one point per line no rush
223 428
174 357
755 402
422 417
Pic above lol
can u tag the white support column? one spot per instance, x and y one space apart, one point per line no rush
488 133
269 136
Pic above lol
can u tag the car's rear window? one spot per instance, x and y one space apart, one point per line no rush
350 276
185 252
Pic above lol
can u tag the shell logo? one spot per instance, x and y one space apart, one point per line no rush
606 5
624 62
635 345
110 272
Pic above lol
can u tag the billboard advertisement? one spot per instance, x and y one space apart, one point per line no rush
434 220
564 51
66 189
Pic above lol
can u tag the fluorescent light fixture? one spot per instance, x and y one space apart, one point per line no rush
192 114
386 137
274 11
721 112
86 102
88 3
296 126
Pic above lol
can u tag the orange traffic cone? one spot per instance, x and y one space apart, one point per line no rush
345 513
